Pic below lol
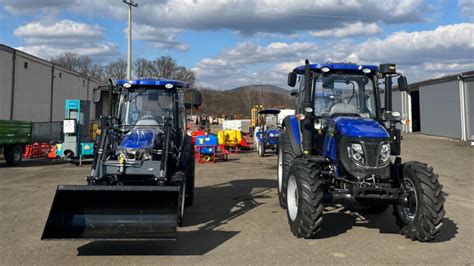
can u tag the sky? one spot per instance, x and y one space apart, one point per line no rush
231 43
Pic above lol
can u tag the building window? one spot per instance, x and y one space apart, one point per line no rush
83 83
25 64
60 75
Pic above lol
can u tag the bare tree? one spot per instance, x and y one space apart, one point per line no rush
78 63
163 67
116 69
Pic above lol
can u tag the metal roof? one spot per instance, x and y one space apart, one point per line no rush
270 111
415 86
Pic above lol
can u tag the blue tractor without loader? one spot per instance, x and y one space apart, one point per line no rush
267 135
343 147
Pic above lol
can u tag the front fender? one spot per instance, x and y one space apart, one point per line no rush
292 126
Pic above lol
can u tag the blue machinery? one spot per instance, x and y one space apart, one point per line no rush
77 144
267 137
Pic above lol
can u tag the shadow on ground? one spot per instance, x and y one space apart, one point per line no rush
339 221
213 207
33 163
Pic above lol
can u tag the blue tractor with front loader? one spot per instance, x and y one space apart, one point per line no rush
142 175
343 147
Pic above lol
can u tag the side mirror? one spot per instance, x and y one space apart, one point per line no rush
292 79
402 83
197 99
294 94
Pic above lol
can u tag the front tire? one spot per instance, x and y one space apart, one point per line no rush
287 156
304 198
261 148
13 155
421 218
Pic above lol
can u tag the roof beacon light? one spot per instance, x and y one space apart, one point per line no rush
366 70
169 86
127 85
308 110
325 69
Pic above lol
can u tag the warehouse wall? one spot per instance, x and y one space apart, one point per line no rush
6 61
32 99
439 109
40 88
469 98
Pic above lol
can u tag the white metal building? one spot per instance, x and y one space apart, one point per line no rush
440 107
34 89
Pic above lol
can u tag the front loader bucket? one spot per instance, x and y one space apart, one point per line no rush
113 213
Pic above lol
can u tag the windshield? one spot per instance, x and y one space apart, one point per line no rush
347 94
147 107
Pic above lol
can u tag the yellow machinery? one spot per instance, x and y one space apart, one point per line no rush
229 137
254 116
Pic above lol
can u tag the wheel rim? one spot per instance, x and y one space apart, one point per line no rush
17 155
408 213
280 169
292 198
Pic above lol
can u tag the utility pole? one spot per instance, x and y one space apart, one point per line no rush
130 4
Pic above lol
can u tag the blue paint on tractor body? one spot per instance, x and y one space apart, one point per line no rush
360 127
296 129
154 83
337 67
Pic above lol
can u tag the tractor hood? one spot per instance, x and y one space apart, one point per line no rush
359 127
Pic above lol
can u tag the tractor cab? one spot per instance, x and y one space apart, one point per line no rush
267 131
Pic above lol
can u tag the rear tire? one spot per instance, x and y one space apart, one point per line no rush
261 149
189 166
422 220
13 155
179 178
287 156
304 198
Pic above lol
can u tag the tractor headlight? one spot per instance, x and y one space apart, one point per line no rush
356 153
384 156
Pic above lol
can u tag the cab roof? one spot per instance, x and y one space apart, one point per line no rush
345 67
154 82
269 111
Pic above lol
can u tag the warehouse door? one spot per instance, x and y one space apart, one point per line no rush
415 111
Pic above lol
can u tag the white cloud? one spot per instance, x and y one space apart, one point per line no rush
158 38
449 44
424 54
33 6
48 38
349 30
246 17
467 7
260 18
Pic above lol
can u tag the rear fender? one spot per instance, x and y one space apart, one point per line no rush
292 126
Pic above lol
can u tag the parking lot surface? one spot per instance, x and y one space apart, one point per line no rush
236 218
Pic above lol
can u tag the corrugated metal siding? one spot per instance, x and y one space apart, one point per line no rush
6 63
469 102
33 98
439 110
32 90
